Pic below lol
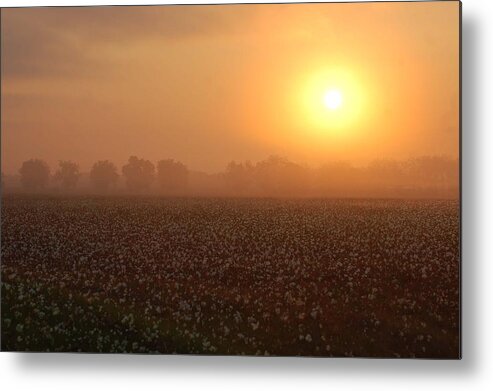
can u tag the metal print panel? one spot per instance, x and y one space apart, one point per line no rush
268 179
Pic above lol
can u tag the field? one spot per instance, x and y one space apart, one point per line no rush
372 278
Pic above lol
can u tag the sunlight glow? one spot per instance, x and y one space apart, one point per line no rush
332 103
333 99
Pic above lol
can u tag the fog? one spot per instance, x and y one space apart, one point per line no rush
423 177
206 85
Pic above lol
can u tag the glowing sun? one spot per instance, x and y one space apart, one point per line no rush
332 103
333 99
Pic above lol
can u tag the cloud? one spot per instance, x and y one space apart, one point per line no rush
51 42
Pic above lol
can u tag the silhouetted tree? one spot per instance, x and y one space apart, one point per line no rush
139 173
172 176
35 174
280 177
239 177
67 174
103 175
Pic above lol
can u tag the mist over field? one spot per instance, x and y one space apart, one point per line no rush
207 85
424 177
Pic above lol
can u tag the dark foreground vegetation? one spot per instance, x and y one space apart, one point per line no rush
375 278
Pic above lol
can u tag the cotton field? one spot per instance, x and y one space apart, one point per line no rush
316 277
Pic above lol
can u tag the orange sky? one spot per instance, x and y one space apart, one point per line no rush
209 84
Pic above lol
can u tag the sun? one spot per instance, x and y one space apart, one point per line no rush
332 103
333 99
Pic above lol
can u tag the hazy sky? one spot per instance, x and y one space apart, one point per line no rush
209 84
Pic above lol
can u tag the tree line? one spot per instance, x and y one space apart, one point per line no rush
426 176
139 175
